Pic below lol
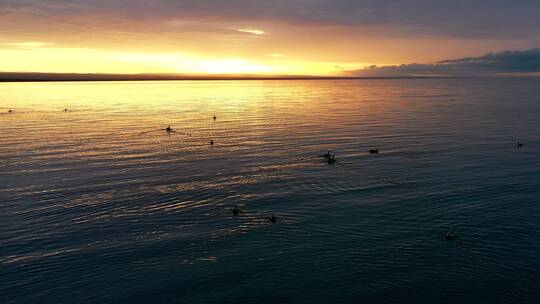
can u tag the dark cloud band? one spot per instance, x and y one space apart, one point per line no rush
508 62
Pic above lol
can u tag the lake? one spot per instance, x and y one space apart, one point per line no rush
100 204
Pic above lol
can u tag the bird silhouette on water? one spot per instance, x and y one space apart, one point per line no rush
329 157
235 210
450 235
328 154
215 117
373 151
65 110
211 142
168 129
273 219
519 144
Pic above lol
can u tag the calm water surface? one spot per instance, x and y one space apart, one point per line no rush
93 212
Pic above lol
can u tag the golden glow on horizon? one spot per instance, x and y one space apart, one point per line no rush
46 57
30 45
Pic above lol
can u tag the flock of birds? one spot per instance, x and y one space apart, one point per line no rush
329 158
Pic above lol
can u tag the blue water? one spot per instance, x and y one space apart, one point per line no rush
94 212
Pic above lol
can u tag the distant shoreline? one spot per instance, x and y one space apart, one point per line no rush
68 77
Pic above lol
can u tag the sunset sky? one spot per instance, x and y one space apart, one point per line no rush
283 37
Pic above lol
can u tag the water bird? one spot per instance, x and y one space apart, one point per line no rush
272 219
214 117
328 154
211 142
519 144
168 129
450 235
235 210
331 159
10 111
65 110
373 151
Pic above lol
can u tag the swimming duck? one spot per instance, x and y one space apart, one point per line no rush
328 154
273 219
211 142
331 159
214 117
373 151
65 110
235 210
450 235
168 129
10 111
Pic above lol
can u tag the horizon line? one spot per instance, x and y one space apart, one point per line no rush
83 77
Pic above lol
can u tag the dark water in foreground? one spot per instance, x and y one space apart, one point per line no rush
92 212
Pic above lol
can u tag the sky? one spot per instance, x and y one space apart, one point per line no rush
277 37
